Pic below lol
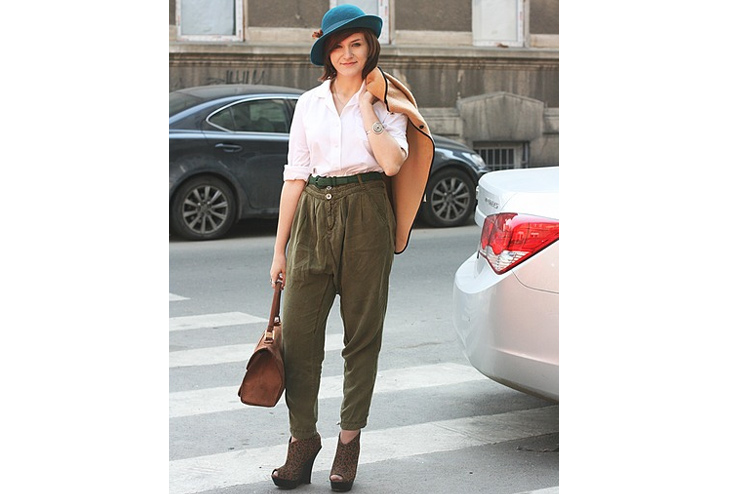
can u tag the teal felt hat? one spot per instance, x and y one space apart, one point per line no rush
344 16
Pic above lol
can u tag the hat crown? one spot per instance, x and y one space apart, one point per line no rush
341 13
342 17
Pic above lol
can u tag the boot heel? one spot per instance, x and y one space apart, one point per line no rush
306 475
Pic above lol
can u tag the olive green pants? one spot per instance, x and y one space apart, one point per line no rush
342 243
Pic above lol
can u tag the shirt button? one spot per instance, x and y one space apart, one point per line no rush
329 196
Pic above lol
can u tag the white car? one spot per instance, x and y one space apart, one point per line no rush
506 294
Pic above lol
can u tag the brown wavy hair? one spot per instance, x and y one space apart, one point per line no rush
374 50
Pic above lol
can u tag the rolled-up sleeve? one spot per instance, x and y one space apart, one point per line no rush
396 125
299 159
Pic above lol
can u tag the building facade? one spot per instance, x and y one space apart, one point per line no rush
484 72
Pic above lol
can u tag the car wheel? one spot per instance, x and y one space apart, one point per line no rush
204 208
450 199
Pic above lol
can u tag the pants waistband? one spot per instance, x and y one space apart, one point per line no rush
351 179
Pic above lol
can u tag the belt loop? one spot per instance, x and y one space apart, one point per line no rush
360 178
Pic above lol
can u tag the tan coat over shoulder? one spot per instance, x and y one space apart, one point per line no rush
407 186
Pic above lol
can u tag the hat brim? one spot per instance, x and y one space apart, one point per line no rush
372 22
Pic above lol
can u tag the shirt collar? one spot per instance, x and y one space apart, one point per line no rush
324 89
326 92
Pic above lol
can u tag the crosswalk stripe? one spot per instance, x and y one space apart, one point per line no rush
222 399
175 298
212 320
205 473
232 353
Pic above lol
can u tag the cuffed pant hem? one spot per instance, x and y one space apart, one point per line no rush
353 426
304 434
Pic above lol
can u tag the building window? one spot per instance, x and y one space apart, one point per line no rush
498 22
503 156
375 7
210 20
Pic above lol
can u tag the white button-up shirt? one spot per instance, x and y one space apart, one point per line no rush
326 144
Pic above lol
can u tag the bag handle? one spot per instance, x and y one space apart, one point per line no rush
274 312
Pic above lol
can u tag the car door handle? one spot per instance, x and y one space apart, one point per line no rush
229 148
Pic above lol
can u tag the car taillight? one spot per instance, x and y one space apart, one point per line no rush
507 239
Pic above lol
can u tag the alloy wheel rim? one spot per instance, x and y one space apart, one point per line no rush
205 209
450 199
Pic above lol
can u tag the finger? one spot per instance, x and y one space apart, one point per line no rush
276 279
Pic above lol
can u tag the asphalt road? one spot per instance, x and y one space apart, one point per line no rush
436 425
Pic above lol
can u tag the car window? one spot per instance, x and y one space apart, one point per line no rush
267 115
292 108
223 119
182 101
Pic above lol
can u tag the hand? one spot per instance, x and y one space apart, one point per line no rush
278 270
367 97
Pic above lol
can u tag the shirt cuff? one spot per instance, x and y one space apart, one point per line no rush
296 173
403 144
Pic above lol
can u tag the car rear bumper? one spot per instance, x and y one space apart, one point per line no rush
508 331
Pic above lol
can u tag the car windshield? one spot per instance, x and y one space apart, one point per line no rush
182 101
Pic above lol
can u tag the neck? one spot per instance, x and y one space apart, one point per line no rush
347 86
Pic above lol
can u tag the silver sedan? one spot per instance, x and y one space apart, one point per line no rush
506 294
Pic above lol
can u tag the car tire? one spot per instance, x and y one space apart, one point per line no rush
451 197
203 208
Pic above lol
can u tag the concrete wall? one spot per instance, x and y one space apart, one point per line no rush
286 13
500 117
544 16
439 77
432 15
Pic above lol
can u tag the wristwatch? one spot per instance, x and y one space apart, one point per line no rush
377 128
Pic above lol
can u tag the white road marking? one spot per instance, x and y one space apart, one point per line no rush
213 320
212 400
232 353
205 473
175 298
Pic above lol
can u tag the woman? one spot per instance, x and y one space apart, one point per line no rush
343 234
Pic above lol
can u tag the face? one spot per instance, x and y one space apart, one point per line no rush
350 55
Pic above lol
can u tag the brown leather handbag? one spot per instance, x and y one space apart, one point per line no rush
264 381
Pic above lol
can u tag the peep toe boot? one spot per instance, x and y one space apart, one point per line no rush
345 464
299 462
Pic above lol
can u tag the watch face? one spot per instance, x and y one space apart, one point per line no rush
377 128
